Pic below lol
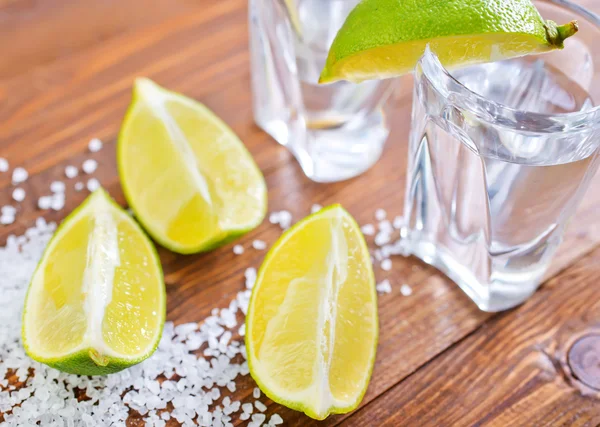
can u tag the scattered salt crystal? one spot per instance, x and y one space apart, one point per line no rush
260 406
385 226
384 287
259 245
19 175
368 229
242 330
89 166
258 419
18 194
382 238
79 186
8 210
315 208
45 202
3 165
380 214
256 393
71 171
6 219
231 386
93 184
58 201
250 275
247 408
57 187
405 290
95 145
398 222
244 416
275 420
274 217
238 249
386 264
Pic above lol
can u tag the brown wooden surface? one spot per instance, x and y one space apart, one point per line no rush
65 77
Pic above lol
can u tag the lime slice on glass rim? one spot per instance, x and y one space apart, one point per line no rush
96 302
312 325
385 38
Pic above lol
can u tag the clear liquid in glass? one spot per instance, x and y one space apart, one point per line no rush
336 131
488 205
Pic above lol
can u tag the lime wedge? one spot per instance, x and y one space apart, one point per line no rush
96 302
311 329
188 177
386 38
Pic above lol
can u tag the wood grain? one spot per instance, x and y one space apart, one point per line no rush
58 90
511 371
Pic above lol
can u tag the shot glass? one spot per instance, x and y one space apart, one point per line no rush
335 131
500 156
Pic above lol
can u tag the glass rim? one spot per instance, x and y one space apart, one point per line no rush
490 111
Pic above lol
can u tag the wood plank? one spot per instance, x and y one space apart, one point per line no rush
47 116
512 371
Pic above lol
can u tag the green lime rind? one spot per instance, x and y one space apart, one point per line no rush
282 400
81 362
406 27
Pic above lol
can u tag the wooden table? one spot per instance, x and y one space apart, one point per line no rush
66 71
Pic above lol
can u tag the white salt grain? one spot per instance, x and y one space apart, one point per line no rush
95 145
385 226
19 175
256 393
8 210
18 195
386 264
58 201
275 420
382 238
315 208
258 419
380 214
3 165
384 287
238 249
247 408
71 171
93 184
89 166
368 229
244 416
260 406
259 245
7 219
45 202
398 222
405 290
57 187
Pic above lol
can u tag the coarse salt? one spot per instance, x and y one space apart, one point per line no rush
18 195
93 184
71 171
3 165
380 214
89 166
386 264
95 145
19 175
238 249
259 245
405 290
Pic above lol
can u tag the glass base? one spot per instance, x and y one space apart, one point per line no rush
335 153
505 292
